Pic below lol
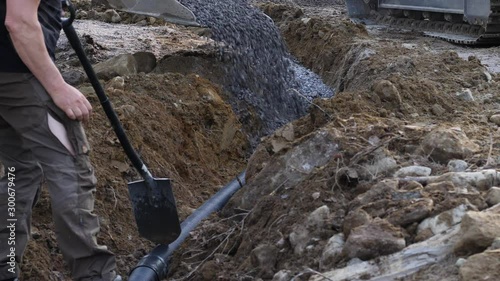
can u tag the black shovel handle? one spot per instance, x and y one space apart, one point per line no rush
105 102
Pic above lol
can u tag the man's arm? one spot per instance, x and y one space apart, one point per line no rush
26 34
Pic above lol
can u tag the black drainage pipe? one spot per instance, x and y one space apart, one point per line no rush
154 266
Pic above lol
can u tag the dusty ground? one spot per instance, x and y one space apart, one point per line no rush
184 128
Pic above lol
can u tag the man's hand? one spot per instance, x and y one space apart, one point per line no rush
72 102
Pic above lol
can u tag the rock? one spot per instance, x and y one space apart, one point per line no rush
457 165
318 217
112 16
87 91
482 180
478 231
381 190
332 250
151 20
299 238
73 77
445 144
465 95
460 262
118 66
437 109
145 62
377 208
316 195
264 257
305 20
493 196
387 91
381 166
288 169
355 218
283 275
117 83
406 195
413 171
374 239
415 212
399 265
412 186
495 245
481 267
443 221
495 119
487 75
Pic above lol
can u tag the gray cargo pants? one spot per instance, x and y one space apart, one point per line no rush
28 147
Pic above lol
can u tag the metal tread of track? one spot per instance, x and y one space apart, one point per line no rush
458 33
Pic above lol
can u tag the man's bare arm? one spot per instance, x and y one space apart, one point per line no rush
26 34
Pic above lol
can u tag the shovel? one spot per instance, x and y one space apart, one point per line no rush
152 199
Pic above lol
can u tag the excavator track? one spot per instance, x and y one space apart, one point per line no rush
462 33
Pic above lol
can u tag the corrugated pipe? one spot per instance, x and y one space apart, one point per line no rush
154 266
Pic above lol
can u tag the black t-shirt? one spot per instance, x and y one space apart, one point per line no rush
49 15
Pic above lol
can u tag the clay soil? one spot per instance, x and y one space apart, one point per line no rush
184 128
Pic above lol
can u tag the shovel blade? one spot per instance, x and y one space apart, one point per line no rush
155 210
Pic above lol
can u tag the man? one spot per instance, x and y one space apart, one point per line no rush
40 130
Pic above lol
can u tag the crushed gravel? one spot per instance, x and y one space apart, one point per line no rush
260 71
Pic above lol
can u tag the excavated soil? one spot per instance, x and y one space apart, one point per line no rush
182 129
185 128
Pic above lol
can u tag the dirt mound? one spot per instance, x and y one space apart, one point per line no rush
328 173
182 129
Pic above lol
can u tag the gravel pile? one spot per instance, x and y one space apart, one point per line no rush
260 70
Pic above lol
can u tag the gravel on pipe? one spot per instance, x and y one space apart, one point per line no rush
260 71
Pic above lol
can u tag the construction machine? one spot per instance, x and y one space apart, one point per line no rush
466 22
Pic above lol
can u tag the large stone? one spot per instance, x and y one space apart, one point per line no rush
465 95
380 166
444 144
372 240
482 267
332 250
457 165
145 62
112 16
355 218
495 119
444 221
381 190
286 171
478 231
118 66
299 238
413 171
387 91
283 275
398 265
482 180
264 258
317 219
73 77
414 212
493 196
